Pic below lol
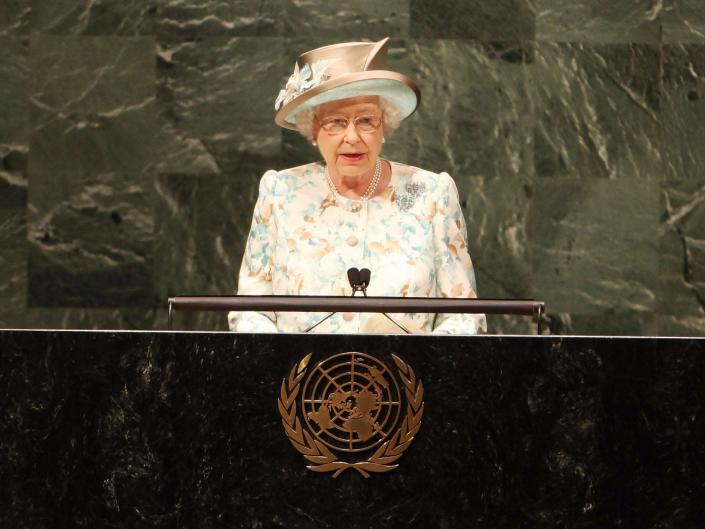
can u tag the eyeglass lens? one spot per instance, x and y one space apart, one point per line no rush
337 125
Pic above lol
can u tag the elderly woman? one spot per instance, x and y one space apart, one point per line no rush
354 209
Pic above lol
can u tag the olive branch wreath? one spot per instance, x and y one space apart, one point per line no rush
321 457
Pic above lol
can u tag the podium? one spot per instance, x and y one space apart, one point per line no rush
184 429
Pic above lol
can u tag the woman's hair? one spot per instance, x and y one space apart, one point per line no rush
390 113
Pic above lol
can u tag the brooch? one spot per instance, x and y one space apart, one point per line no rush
406 199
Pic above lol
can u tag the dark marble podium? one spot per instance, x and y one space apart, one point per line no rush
162 429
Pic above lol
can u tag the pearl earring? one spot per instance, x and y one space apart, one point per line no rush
314 143
384 139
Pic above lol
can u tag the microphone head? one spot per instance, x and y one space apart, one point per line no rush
354 277
365 276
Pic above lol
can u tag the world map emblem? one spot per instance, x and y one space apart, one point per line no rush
351 411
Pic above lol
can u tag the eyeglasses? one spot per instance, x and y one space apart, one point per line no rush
339 124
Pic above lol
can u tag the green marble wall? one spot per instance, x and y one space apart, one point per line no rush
133 134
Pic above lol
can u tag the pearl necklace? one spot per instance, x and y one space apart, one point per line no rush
370 188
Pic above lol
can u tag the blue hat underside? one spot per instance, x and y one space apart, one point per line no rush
398 93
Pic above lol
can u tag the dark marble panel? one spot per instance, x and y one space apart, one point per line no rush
203 226
216 96
125 318
597 111
90 241
682 249
94 17
681 325
594 246
198 18
362 19
13 158
13 246
182 430
684 21
13 93
92 104
683 111
611 323
496 211
476 115
14 18
599 20
473 19
522 325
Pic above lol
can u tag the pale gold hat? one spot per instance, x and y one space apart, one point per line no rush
341 71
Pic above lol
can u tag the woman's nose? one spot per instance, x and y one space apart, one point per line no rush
351 135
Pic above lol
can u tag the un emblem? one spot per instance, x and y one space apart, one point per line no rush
351 404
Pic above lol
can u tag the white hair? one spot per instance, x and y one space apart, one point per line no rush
390 113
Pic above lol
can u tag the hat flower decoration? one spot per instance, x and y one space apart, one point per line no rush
310 76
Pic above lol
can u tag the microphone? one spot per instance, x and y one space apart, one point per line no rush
354 278
365 278
359 280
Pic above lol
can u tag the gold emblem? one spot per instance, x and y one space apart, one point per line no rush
351 403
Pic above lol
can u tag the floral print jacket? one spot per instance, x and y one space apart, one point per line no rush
304 238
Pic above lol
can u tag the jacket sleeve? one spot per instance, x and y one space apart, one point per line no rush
455 276
258 261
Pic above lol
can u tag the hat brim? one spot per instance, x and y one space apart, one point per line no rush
401 91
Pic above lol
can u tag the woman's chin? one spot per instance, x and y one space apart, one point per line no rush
353 169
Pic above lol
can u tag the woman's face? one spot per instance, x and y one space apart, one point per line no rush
352 152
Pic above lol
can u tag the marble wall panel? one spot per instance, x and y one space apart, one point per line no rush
14 18
684 21
91 241
94 17
597 111
610 323
476 114
511 324
683 111
105 97
672 325
14 74
13 93
682 249
216 95
125 318
605 21
595 246
203 226
92 104
341 21
13 246
496 212
199 18
473 19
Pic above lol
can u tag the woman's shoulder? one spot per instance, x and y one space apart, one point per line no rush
278 181
300 171
410 175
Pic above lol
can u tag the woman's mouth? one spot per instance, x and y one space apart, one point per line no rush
352 156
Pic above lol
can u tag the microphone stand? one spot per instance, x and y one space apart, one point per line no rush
359 281
355 284
364 282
